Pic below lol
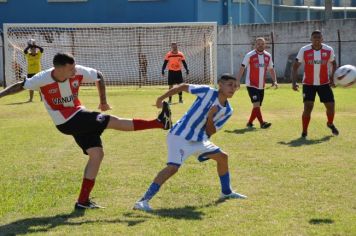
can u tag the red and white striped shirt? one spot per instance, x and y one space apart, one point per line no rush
61 98
316 71
257 64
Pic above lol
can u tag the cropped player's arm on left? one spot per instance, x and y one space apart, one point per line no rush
100 84
15 88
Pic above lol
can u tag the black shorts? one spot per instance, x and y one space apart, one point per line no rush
175 77
86 128
256 95
30 75
325 93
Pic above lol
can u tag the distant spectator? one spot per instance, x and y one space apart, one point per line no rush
33 61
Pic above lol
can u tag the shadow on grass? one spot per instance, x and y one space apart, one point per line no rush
320 221
241 131
17 103
45 224
303 141
185 213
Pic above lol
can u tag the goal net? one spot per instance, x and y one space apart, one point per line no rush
127 54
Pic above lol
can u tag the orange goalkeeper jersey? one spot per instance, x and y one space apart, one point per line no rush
174 60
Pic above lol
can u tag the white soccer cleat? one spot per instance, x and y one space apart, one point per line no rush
232 195
142 206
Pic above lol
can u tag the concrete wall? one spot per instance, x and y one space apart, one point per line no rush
288 39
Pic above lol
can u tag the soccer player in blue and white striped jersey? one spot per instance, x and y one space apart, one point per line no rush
190 135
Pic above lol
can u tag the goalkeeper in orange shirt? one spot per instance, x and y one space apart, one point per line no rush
33 54
175 59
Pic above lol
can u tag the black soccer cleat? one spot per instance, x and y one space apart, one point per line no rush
304 134
333 129
249 125
165 117
88 205
265 125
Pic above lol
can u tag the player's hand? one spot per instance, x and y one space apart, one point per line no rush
104 107
159 103
162 75
212 111
295 87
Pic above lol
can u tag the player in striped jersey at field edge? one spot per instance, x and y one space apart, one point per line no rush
190 135
59 87
257 62
316 57
174 59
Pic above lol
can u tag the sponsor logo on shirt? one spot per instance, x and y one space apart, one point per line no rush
63 100
317 62
75 83
52 91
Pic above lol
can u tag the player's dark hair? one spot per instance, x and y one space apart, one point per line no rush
316 32
226 77
61 59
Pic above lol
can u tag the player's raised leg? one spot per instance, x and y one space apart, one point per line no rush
163 121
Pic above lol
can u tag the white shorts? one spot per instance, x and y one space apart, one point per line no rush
179 149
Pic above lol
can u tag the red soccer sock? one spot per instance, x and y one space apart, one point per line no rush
87 186
330 118
305 122
253 115
146 124
259 114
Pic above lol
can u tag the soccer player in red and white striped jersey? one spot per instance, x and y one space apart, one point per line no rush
59 88
319 67
257 62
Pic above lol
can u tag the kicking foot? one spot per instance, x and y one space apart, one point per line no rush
165 116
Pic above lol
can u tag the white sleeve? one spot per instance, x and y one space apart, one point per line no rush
300 56
34 83
246 60
199 90
89 74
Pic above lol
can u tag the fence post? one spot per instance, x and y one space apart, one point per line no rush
339 46
3 58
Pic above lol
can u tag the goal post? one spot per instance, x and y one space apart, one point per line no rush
127 54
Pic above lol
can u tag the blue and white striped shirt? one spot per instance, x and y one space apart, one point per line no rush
192 125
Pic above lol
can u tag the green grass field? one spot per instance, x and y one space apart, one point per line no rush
295 187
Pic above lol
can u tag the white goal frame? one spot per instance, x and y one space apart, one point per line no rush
10 47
